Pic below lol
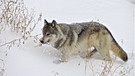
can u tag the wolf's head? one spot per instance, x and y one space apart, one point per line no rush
50 32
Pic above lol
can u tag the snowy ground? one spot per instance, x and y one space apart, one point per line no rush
29 59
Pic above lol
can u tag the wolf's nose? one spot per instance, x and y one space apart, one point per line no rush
42 41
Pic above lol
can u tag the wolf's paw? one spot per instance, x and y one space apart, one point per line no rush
57 61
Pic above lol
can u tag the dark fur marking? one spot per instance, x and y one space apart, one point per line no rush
57 43
45 28
81 32
70 36
89 54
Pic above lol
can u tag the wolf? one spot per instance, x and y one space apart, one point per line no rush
80 38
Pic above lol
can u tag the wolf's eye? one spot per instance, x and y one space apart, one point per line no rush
48 34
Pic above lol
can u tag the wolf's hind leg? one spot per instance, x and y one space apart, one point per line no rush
87 54
103 46
106 56
104 52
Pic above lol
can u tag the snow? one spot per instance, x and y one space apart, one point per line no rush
29 59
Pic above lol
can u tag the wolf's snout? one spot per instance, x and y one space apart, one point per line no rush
42 41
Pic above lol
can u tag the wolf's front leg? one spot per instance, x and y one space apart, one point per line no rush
63 57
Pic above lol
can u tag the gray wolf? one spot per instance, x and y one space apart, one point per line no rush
80 38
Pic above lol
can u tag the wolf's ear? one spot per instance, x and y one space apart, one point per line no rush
54 23
45 22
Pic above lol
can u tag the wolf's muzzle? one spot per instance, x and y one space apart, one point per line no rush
42 41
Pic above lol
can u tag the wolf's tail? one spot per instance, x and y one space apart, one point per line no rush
117 50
